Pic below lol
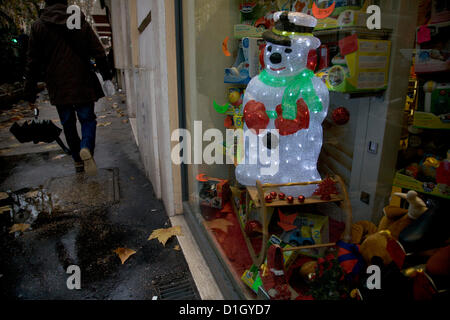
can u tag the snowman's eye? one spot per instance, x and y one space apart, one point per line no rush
269 49
288 50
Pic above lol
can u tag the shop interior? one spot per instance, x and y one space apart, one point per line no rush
379 206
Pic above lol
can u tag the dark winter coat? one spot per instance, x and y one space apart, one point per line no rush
63 56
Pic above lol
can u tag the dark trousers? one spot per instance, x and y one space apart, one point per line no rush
86 115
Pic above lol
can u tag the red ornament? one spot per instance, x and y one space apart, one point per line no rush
301 199
281 196
290 199
273 194
269 199
341 116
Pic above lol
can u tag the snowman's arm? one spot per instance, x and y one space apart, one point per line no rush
324 96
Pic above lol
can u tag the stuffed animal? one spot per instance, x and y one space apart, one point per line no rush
381 248
396 219
380 245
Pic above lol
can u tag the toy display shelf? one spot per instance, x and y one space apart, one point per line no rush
406 182
427 120
362 32
257 195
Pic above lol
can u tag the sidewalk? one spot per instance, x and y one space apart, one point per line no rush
33 264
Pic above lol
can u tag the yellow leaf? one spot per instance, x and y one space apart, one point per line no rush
22 227
59 157
3 196
177 248
124 253
32 194
220 224
165 234
105 124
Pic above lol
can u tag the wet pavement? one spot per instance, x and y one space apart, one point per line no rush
76 220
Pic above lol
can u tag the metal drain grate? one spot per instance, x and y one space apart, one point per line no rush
177 289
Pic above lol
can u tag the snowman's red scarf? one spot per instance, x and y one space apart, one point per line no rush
296 86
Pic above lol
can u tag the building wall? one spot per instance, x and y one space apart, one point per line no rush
148 61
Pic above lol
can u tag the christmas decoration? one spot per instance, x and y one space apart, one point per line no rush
269 199
290 199
329 282
274 195
341 116
281 196
326 188
286 96
301 199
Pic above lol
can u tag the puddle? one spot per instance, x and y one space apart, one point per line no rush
24 206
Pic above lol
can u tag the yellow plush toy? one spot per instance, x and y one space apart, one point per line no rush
382 242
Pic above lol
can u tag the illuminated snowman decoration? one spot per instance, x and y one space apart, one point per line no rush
288 97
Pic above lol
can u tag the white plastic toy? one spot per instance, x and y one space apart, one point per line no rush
289 97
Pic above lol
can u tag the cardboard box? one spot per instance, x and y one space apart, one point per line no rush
366 69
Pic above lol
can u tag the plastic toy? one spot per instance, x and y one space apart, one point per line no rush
213 192
301 237
233 110
288 97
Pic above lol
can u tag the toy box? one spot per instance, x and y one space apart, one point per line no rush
364 66
311 229
247 64
213 192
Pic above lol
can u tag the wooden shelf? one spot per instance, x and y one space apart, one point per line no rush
253 192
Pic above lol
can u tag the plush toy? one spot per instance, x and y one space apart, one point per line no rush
381 249
396 219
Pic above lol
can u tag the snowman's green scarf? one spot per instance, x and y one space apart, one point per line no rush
297 85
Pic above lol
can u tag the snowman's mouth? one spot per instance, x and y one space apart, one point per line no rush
280 69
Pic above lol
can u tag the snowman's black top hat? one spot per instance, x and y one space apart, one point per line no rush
289 25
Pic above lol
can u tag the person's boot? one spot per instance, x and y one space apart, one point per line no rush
90 167
79 166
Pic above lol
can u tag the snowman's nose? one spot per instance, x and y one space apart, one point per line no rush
276 58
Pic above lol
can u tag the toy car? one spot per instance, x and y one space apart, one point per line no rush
301 237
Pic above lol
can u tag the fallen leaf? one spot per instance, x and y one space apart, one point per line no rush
59 157
3 196
101 117
105 124
177 248
5 209
220 224
115 105
124 253
22 227
109 99
165 234
56 120
125 121
32 194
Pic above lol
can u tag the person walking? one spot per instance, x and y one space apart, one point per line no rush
64 57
